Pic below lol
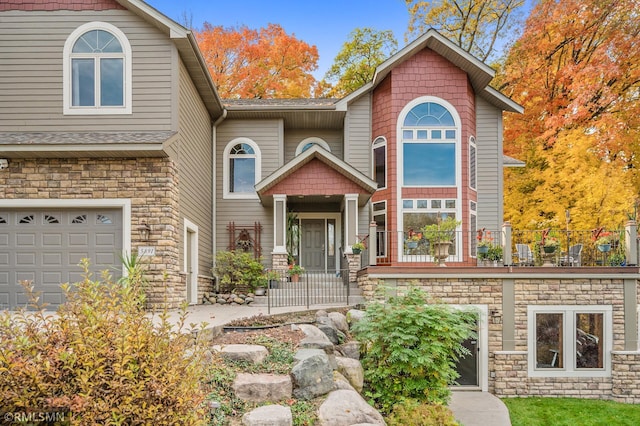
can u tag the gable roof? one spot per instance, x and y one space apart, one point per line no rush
316 152
480 74
187 46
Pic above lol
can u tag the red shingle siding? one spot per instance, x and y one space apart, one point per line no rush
315 178
51 5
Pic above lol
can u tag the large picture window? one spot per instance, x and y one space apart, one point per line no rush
241 168
569 340
97 71
416 214
429 139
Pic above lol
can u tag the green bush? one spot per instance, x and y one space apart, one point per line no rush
239 269
101 359
413 413
410 348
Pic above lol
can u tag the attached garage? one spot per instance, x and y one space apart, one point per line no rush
45 246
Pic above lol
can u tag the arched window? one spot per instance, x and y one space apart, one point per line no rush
97 70
429 134
309 142
379 148
241 168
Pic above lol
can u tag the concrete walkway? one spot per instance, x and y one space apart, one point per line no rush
479 409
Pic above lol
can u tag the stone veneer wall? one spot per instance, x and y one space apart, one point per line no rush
150 183
510 367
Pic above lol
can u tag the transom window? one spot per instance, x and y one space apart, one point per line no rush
241 168
97 71
310 142
570 340
429 136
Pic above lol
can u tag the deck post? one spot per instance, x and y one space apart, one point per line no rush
506 244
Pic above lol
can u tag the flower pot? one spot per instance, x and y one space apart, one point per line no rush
604 248
260 291
483 249
441 251
295 278
356 250
550 249
412 244
273 283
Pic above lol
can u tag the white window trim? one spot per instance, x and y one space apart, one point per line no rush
473 232
382 212
225 170
68 109
569 344
472 144
457 141
195 257
315 140
380 142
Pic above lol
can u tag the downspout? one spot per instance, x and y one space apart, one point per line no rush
214 215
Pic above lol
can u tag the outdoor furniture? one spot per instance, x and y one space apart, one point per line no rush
525 255
573 257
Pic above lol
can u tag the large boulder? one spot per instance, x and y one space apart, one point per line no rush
250 353
312 374
341 382
340 321
268 415
346 408
352 370
355 315
326 325
350 349
315 339
262 387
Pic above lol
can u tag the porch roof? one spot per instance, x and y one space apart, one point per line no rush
316 172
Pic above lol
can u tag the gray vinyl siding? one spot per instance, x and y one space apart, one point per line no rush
357 133
31 58
489 169
193 156
333 138
266 134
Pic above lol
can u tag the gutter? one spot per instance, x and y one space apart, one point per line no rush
214 216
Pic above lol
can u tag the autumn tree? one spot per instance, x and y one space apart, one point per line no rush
264 63
358 58
576 71
477 26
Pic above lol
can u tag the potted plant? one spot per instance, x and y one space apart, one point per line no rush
550 244
295 271
485 241
357 247
413 238
440 236
273 278
603 243
494 254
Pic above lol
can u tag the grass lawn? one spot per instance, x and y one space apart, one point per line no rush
570 412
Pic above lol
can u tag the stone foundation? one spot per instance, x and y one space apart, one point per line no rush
279 261
353 263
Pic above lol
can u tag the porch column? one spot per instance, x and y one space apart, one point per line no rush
351 221
631 242
506 244
279 253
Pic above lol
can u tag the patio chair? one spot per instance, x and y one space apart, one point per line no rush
525 255
574 257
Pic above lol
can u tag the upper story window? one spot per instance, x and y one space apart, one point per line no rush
380 162
241 168
309 142
97 70
429 132
473 164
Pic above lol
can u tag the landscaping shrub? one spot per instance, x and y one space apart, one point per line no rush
410 348
238 269
101 360
413 413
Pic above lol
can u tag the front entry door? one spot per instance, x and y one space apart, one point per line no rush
312 244
467 367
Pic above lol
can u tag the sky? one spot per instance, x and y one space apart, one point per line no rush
325 24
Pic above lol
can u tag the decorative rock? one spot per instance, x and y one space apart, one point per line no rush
221 301
262 387
346 408
312 374
326 326
238 300
341 382
250 353
321 314
248 300
352 370
315 339
268 415
339 321
354 315
350 349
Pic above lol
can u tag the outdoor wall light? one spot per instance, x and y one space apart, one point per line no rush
4 163
145 231
496 318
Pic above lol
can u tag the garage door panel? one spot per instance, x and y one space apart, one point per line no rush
46 246
25 239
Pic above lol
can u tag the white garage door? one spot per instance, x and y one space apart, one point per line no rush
46 246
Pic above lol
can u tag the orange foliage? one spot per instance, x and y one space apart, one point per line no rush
264 63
